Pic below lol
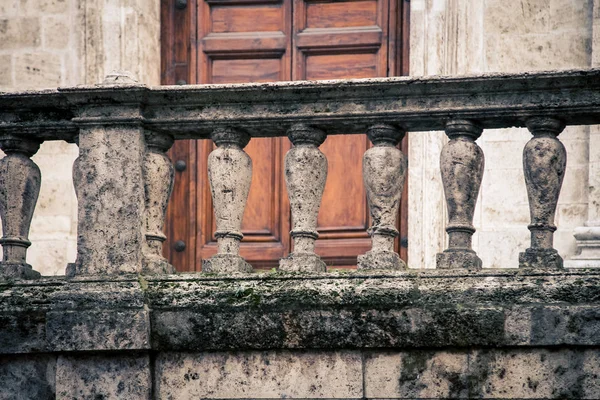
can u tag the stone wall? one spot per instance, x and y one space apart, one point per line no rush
460 37
51 43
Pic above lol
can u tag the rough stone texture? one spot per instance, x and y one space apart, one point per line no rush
488 374
19 189
305 177
158 183
384 171
91 377
27 376
544 163
230 175
271 374
50 43
461 164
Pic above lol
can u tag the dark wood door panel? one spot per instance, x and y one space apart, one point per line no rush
237 41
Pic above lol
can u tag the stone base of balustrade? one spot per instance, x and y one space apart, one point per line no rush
302 262
384 260
18 271
157 266
225 264
413 334
540 259
458 259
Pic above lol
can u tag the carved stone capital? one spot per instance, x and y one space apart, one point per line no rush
545 126
230 136
301 134
11 143
463 127
380 134
158 141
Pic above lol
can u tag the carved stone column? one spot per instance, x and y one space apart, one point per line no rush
20 181
230 175
108 178
158 184
305 177
461 164
544 164
384 170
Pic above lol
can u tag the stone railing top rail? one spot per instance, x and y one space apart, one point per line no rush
344 106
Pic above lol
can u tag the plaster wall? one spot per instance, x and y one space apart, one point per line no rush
452 37
52 43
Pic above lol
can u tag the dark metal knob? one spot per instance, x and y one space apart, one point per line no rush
180 165
181 82
179 246
404 242
181 4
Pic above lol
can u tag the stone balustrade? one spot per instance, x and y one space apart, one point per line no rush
123 177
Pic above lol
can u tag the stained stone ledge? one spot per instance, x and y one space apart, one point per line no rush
337 310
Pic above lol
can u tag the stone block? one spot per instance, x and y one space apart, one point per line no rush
504 208
56 197
5 71
272 374
22 332
533 374
27 377
56 33
19 33
115 376
416 375
9 8
38 70
98 330
500 249
44 6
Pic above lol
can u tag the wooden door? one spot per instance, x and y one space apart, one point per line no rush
233 41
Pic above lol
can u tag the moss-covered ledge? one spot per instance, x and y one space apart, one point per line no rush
336 310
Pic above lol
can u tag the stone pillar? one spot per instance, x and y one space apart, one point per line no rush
230 175
305 177
544 164
384 170
20 181
461 164
108 179
588 236
158 183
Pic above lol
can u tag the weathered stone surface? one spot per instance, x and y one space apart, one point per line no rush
544 163
230 175
432 308
158 174
123 376
20 181
305 177
98 330
273 374
384 171
416 375
27 377
109 182
461 164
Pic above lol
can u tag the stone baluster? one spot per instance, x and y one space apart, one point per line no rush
544 164
384 170
20 181
230 175
305 177
108 178
461 164
158 184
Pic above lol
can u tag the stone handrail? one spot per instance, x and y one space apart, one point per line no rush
123 177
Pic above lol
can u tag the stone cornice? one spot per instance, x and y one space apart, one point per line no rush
345 106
